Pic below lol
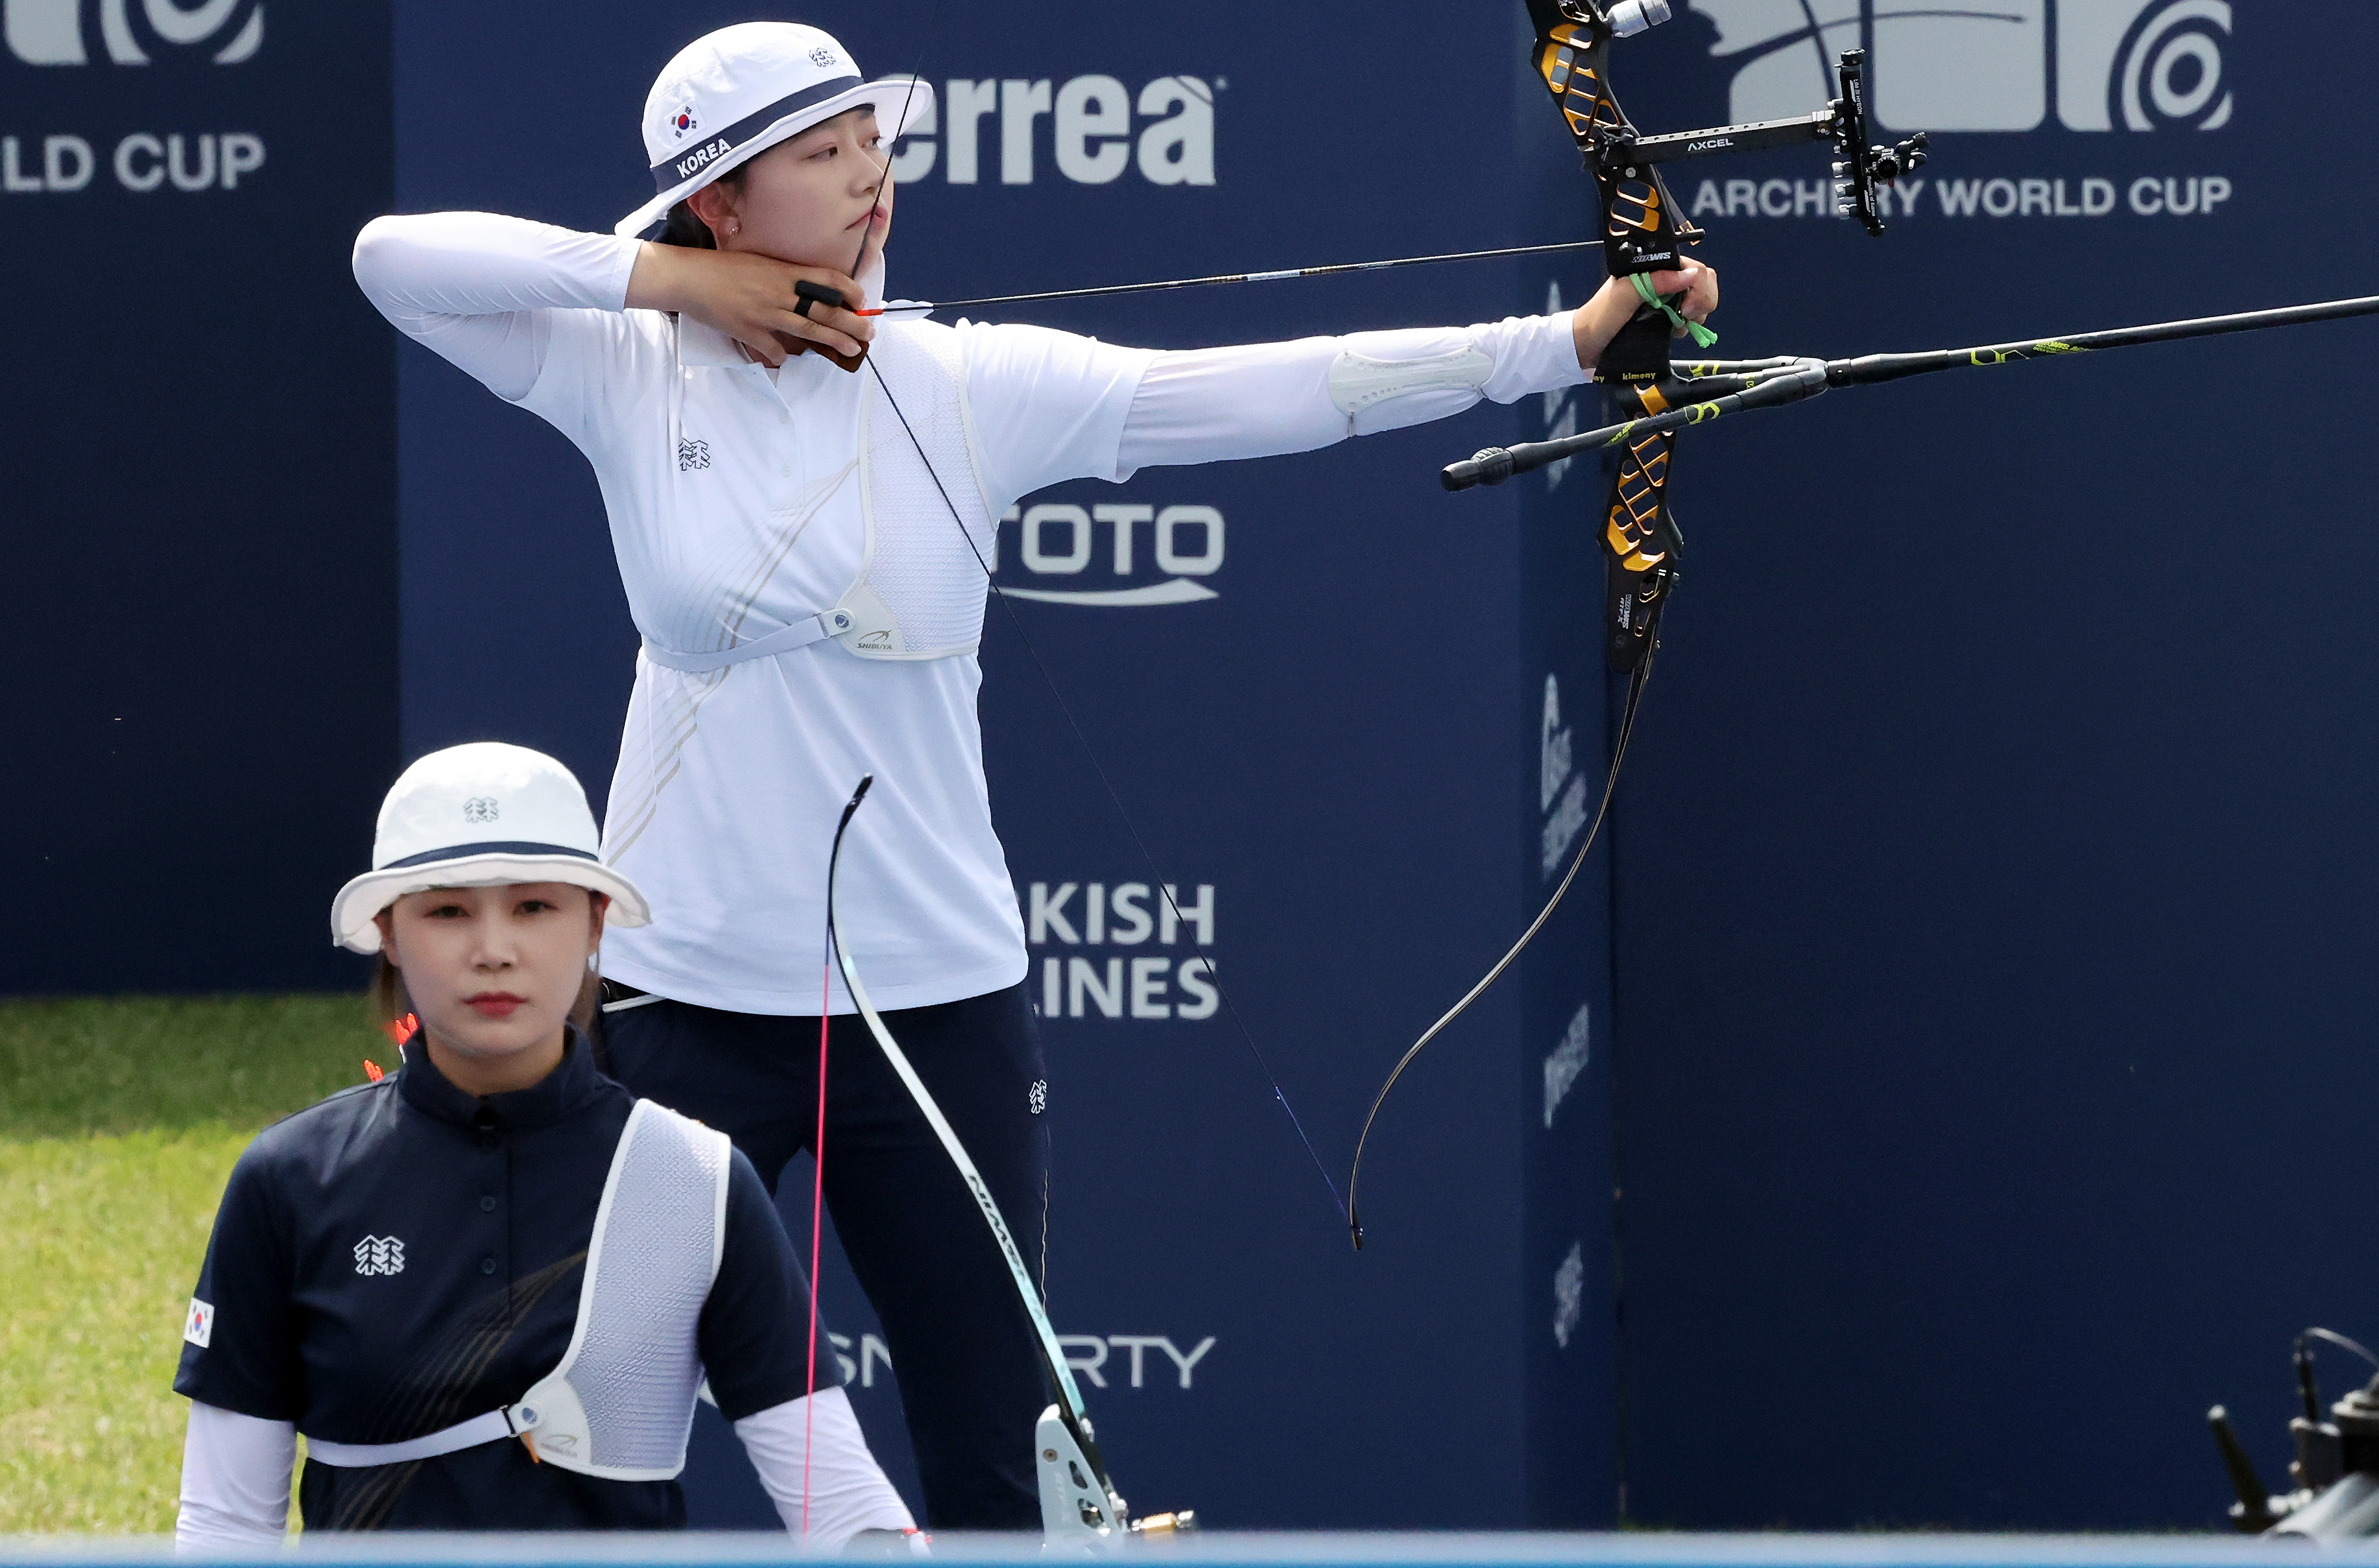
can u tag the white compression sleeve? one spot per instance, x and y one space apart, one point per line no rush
234 1482
1258 399
847 1492
472 286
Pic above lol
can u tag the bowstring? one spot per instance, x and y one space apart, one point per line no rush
1089 754
1164 889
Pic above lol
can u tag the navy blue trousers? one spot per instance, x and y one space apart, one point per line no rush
972 1383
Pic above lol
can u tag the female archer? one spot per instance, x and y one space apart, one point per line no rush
802 541
490 1287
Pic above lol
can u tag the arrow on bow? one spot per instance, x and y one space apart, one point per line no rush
1106 291
1640 233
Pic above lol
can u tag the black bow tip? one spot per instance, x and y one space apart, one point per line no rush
851 810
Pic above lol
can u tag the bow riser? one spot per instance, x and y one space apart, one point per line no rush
1641 229
1641 541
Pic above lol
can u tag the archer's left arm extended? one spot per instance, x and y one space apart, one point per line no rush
1259 400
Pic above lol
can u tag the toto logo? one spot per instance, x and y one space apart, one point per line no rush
1092 555
132 32
2095 64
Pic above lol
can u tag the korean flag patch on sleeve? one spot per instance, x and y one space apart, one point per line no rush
200 1327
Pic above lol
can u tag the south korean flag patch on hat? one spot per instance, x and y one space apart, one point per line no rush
200 1327
683 124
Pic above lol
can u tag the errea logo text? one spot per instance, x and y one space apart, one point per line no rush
1086 125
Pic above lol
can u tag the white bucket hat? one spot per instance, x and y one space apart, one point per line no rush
732 94
482 816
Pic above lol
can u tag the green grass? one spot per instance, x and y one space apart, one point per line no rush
119 1121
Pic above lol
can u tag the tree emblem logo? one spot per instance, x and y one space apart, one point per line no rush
379 1255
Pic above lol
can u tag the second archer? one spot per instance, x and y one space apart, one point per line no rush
802 550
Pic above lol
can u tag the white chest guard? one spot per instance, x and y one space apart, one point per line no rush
922 588
621 1404
923 576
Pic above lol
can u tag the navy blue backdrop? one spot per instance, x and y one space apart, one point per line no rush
1991 885
197 450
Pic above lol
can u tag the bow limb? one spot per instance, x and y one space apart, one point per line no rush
1069 1410
1642 233
1641 676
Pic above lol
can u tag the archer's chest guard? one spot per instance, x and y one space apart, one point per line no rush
621 1404
922 579
920 592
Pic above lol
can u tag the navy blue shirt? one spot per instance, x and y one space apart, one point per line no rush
405 1256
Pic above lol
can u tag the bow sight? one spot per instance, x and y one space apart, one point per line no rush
1644 224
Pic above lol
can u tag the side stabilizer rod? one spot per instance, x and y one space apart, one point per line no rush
1809 376
1497 463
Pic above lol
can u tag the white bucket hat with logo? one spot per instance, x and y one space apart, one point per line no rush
732 94
482 816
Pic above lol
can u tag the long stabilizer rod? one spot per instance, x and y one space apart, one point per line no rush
1808 378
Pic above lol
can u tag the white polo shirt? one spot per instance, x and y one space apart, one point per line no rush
734 507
